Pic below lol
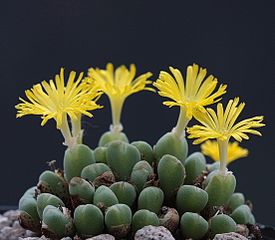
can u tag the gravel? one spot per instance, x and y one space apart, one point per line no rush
229 236
10 228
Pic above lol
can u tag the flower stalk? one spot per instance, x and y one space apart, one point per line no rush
69 140
211 149
183 120
77 132
116 106
223 152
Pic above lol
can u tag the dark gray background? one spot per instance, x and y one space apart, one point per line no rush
233 39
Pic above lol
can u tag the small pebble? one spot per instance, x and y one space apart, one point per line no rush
4 222
9 233
102 237
243 230
34 238
153 233
4 232
30 234
16 224
29 238
12 215
230 236
10 228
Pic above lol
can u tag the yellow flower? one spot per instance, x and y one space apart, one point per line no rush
191 94
118 84
222 126
211 149
57 101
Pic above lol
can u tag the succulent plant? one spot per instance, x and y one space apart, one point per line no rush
45 199
100 154
191 199
57 222
146 151
144 217
171 173
171 144
151 198
220 188
120 187
118 219
236 200
53 182
109 137
243 215
221 223
121 158
29 217
194 165
104 197
76 159
92 171
88 220
141 173
81 191
125 192
193 225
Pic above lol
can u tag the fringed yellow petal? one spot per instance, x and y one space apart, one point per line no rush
222 126
118 84
192 94
55 100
